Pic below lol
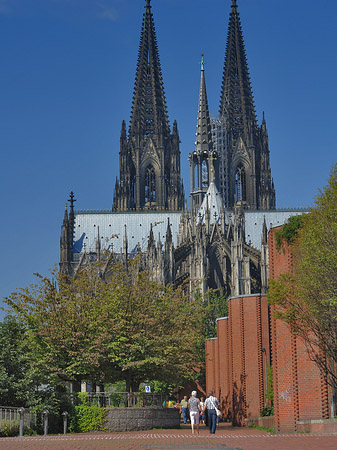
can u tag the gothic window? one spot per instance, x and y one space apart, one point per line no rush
133 189
167 188
204 174
150 185
240 184
196 176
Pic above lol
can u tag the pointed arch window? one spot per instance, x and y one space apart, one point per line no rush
150 185
240 184
133 190
204 174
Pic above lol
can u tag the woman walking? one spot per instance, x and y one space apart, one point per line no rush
194 407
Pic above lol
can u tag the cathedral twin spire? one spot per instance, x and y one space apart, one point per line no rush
149 155
236 102
149 112
245 155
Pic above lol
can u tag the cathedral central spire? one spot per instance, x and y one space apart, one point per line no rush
201 160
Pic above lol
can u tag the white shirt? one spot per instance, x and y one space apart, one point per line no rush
211 402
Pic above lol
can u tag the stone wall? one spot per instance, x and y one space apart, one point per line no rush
135 419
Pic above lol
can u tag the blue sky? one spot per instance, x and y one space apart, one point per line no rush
66 82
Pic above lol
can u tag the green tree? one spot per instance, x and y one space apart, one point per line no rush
64 321
16 375
22 383
307 297
125 326
215 305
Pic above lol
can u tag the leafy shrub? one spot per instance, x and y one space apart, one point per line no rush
115 399
87 418
267 411
289 231
14 430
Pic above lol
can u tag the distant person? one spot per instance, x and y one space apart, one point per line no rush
194 409
202 405
178 406
212 404
184 408
169 404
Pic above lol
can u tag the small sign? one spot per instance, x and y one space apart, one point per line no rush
148 389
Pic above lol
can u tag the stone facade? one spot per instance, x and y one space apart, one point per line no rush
136 419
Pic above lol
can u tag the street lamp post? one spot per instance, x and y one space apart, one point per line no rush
22 421
45 414
65 422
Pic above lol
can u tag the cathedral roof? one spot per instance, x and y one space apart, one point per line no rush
254 221
212 202
113 227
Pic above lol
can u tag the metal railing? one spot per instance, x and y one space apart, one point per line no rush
10 417
123 399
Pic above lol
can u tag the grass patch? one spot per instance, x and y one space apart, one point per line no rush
257 427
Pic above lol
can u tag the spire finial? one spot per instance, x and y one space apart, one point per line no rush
234 4
71 200
202 62
148 4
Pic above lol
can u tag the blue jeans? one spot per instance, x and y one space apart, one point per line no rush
212 420
185 414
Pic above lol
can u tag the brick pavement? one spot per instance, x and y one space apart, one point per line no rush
226 437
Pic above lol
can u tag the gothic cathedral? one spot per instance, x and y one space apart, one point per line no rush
221 240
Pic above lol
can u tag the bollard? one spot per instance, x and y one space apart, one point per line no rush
65 421
45 414
22 420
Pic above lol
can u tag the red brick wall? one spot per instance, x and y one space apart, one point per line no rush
300 392
210 364
224 368
235 366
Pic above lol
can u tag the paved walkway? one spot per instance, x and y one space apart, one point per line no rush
226 437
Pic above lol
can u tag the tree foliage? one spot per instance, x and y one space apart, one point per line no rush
127 327
17 381
307 297
22 383
215 305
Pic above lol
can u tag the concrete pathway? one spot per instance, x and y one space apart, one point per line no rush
226 437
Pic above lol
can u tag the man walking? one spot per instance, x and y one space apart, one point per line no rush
184 408
211 404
